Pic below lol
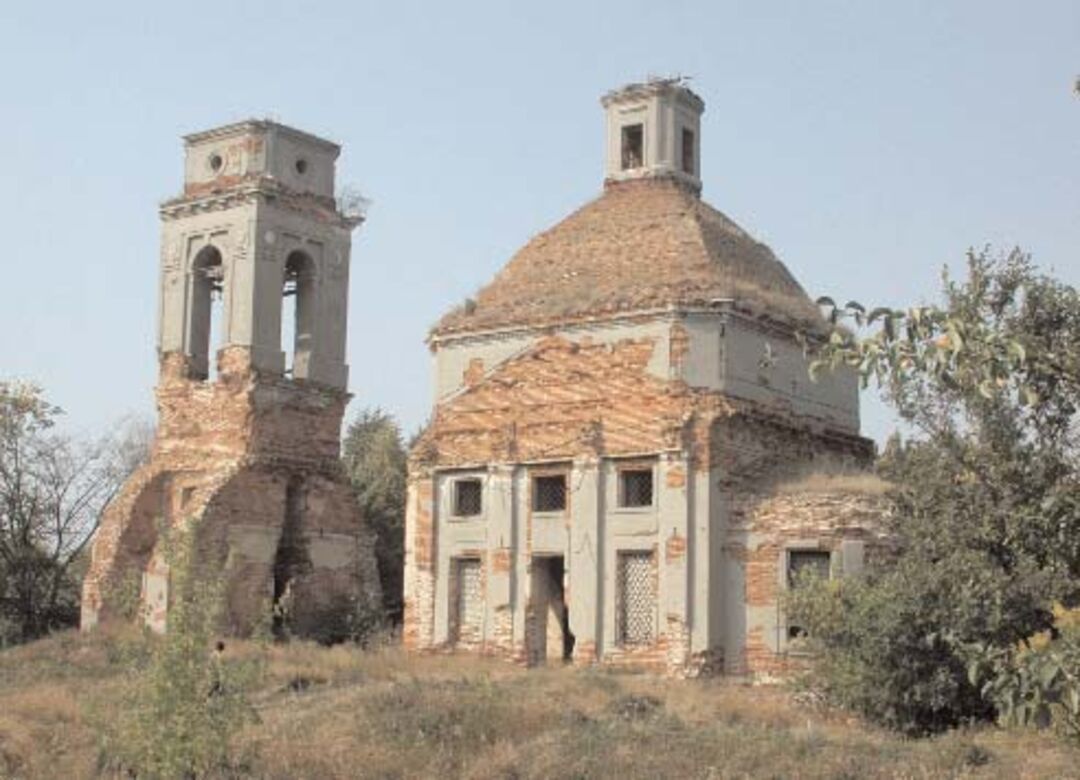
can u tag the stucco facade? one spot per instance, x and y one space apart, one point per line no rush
247 450
625 456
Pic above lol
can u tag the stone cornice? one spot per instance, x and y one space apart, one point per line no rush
723 307
250 191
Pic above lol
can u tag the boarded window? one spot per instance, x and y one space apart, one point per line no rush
467 497
635 487
802 565
467 606
635 599
688 151
633 146
549 493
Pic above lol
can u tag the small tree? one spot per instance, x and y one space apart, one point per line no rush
52 491
184 707
375 459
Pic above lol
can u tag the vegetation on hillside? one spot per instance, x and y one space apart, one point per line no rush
345 712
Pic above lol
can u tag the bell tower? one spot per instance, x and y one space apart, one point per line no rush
653 129
255 256
251 392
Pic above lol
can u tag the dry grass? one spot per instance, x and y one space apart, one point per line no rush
340 712
860 483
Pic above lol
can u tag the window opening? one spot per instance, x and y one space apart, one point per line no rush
633 146
467 498
635 487
688 151
549 493
803 565
207 303
298 313
635 593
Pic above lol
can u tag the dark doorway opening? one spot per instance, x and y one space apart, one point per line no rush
548 635
291 557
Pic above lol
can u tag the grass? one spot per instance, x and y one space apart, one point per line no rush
341 712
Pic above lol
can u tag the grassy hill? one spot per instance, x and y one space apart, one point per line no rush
341 712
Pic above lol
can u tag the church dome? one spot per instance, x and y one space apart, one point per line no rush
643 244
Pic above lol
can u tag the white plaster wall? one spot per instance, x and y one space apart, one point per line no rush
242 153
262 149
702 573
833 397
704 366
742 360
285 149
663 116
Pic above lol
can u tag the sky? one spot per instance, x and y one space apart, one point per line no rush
869 144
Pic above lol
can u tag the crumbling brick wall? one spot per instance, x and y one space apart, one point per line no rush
224 457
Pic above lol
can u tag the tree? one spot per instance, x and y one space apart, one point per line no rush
375 459
986 501
52 491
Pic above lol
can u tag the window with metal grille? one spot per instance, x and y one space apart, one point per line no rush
467 497
801 565
633 146
635 487
549 493
635 595
688 151
468 600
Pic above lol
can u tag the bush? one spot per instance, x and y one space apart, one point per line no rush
879 649
1038 682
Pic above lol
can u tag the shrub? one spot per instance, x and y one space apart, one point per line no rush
183 707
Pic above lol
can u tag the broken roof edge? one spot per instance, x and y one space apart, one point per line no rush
261 126
654 86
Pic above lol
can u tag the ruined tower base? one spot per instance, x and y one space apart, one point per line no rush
248 465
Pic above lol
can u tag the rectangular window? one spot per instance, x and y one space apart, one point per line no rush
633 146
549 493
467 498
635 487
688 151
635 597
467 601
802 564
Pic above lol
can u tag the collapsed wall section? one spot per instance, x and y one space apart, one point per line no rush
249 465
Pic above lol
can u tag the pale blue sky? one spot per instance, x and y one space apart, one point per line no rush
868 143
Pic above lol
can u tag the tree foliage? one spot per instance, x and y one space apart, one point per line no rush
52 491
986 501
375 459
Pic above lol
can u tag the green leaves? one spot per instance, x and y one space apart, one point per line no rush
985 510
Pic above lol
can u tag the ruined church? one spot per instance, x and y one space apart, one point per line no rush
627 462
251 391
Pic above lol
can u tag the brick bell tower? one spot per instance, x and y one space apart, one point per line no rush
251 393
